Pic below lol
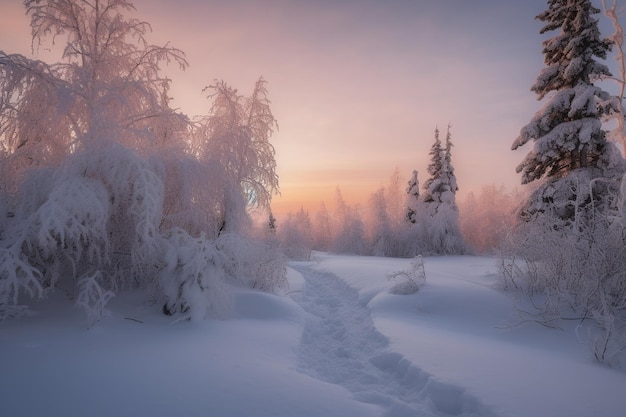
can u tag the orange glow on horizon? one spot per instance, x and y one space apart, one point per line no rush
357 90
311 197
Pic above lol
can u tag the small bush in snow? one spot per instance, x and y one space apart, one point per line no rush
409 281
16 276
193 277
573 274
93 298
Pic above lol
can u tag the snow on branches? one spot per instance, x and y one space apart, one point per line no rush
104 186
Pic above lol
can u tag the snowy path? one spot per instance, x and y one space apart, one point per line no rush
340 345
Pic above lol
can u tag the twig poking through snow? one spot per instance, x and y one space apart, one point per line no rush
409 281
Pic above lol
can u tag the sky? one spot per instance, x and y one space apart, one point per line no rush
357 86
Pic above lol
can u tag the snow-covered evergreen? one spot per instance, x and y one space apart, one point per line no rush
413 194
434 168
438 216
570 247
570 149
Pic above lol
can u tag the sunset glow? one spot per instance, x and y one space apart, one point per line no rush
357 87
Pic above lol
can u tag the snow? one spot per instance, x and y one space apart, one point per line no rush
337 343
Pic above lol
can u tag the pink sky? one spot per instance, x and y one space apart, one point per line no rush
357 86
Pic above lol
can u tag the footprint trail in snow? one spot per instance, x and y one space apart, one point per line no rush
340 345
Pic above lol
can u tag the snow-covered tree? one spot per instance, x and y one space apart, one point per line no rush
413 194
100 181
234 137
570 153
75 137
439 214
571 250
434 168
271 222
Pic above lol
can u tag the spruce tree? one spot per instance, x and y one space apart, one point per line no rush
441 214
442 184
434 167
271 222
447 170
413 194
570 149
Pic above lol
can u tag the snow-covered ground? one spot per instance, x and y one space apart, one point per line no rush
337 344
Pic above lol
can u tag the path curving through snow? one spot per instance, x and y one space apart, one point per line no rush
340 345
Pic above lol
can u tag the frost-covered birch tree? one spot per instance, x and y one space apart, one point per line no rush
97 171
75 136
235 138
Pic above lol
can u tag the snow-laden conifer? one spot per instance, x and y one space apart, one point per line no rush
570 250
434 168
439 214
413 194
570 149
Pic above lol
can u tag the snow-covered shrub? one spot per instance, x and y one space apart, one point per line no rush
192 279
136 192
251 263
17 276
93 298
573 273
99 210
71 225
621 203
409 281
606 339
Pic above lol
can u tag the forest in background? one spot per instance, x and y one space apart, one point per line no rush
105 187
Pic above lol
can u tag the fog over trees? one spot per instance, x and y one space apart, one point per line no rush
105 187
560 239
397 220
